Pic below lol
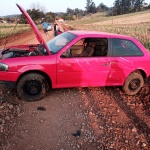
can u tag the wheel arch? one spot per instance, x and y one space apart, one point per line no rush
39 72
142 72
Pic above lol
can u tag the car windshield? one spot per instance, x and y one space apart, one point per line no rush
57 43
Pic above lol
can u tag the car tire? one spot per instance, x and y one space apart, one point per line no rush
133 83
32 87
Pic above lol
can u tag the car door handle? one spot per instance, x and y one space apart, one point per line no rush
106 64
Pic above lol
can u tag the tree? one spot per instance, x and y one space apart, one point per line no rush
38 6
138 4
127 6
50 17
117 7
70 12
36 13
36 16
90 6
77 12
101 7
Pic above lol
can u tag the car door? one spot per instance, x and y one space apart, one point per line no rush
82 71
125 57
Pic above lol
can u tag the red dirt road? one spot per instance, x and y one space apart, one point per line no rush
28 38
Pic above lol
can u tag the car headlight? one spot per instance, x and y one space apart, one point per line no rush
3 67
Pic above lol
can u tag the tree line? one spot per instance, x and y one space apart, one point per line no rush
119 7
127 6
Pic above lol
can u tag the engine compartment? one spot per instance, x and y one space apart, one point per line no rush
23 51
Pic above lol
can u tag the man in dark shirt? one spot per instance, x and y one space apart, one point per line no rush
55 29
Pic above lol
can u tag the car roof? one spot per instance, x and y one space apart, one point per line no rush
97 33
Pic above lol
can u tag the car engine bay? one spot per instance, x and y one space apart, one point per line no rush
23 51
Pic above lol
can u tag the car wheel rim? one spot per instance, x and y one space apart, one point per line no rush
32 87
134 84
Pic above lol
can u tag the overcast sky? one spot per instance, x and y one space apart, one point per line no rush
8 7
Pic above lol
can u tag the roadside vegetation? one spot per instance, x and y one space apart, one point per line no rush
102 16
127 24
10 31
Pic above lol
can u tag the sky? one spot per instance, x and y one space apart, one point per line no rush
8 7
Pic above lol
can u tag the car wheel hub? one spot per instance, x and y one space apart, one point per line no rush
134 84
33 87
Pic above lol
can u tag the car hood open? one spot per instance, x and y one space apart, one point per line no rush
35 29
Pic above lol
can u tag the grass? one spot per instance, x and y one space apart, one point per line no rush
10 29
139 32
100 17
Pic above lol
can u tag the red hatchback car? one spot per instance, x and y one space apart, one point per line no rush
74 59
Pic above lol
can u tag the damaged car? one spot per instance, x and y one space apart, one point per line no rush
74 59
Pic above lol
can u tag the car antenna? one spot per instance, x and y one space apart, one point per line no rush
6 40
120 30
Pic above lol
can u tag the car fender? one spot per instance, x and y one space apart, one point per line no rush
39 69
141 71
31 68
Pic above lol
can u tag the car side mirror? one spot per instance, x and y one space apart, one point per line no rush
42 49
66 54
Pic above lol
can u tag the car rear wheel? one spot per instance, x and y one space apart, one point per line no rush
133 83
32 87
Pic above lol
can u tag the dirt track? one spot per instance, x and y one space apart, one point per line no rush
78 118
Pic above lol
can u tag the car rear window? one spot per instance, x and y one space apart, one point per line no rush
122 47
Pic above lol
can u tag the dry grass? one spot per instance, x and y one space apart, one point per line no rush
101 18
136 25
12 29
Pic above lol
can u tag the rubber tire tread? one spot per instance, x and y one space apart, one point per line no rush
132 76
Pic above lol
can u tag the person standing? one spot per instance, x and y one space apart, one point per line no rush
59 31
45 25
55 29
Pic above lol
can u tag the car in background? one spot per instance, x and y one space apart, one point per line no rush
74 59
49 27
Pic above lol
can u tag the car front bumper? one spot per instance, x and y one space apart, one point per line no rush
8 84
8 79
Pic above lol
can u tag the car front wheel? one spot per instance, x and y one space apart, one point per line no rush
32 87
133 83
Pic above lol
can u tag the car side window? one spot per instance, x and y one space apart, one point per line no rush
88 47
122 47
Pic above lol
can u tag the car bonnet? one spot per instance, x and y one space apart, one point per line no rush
35 29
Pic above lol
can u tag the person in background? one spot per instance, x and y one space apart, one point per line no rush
58 31
55 29
65 29
45 25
